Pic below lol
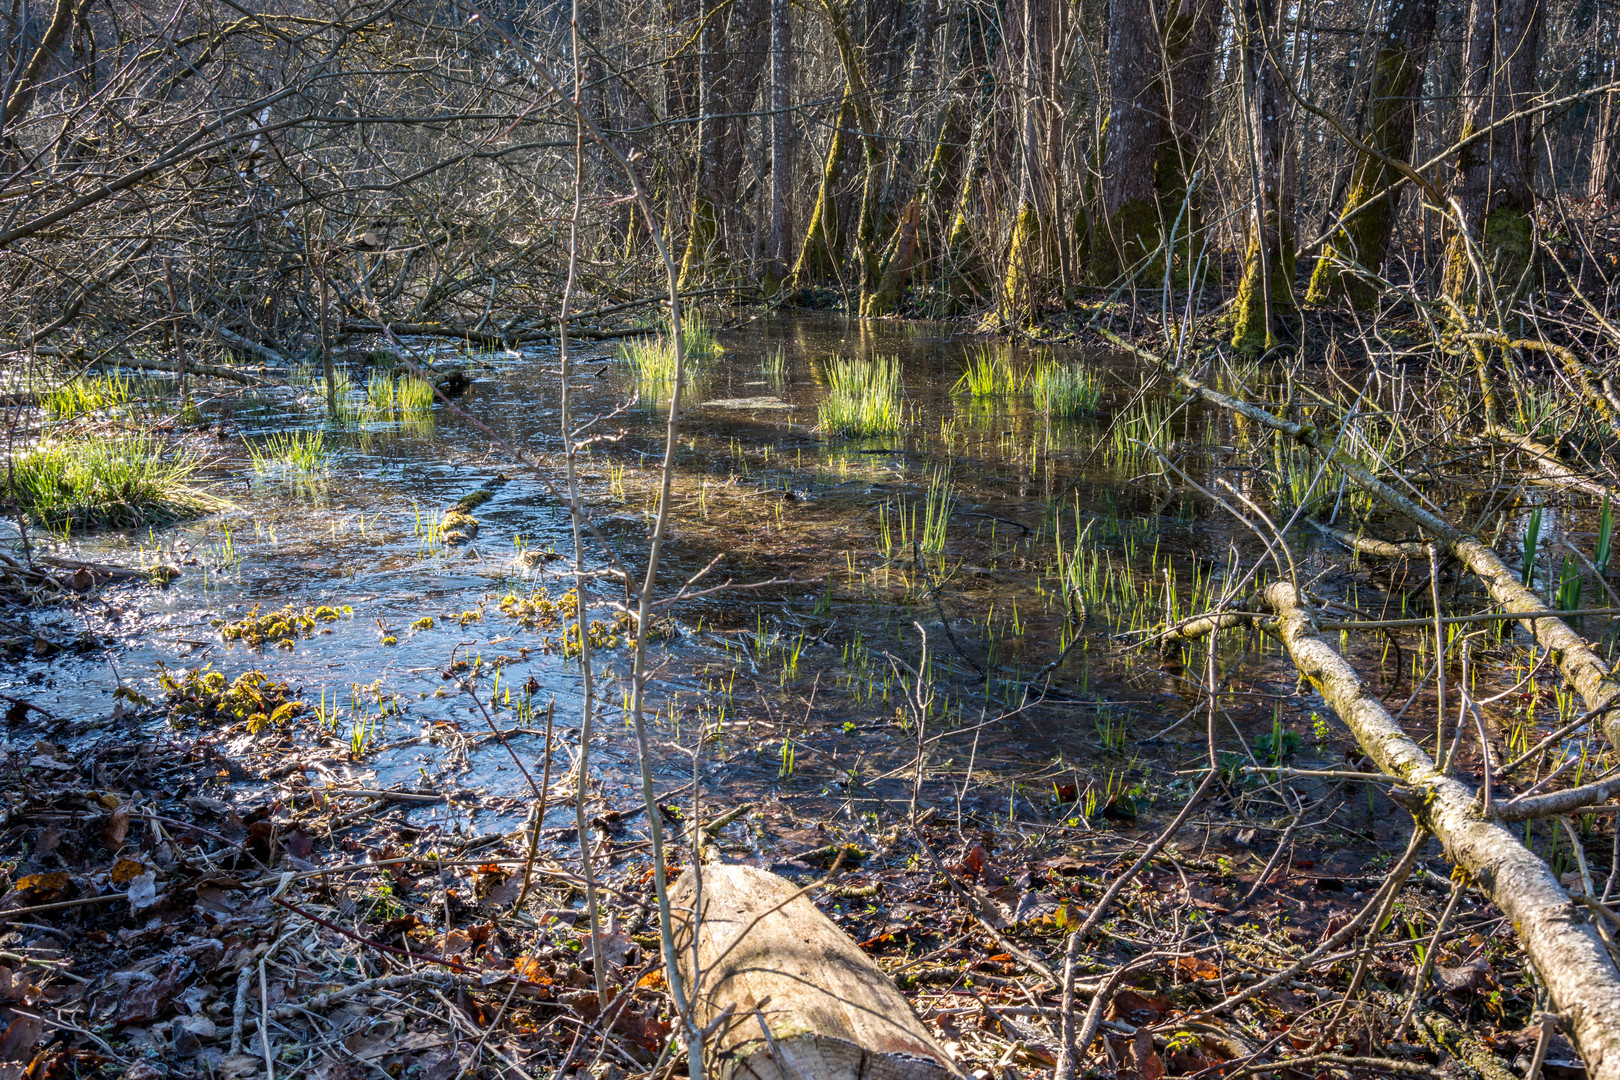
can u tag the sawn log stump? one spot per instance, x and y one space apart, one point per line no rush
806 1003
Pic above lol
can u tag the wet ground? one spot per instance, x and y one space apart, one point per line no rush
1056 540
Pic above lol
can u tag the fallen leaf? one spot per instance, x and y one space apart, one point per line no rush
41 886
148 1000
126 870
143 891
18 1042
1191 967
117 828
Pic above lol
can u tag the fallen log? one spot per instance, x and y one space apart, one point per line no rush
1565 948
245 376
1577 661
793 997
249 346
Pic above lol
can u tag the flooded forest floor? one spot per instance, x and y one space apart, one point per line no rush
292 750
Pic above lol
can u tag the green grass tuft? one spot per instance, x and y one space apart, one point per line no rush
774 367
120 482
990 374
290 451
87 394
701 343
1066 390
863 398
414 395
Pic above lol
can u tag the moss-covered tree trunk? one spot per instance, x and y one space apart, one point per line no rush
1189 36
1029 247
906 246
963 273
1390 117
868 247
1266 311
1129 222
1492 253
702 231
1159 64
824 237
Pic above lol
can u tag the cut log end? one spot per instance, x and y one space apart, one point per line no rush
806 1003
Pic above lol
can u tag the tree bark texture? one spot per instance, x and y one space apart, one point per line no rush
1491 186
804 1001
781 135
1027 251
1390 118
1130 227
1265 308
1567 952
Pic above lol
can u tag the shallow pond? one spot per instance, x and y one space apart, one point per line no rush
1020 546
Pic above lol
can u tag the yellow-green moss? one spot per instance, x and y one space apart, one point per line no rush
1252 331
700 242
1023 253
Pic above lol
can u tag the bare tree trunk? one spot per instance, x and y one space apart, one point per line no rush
1130 226
824 237
1604 182
781 130
1265 308
1491 187
1370 208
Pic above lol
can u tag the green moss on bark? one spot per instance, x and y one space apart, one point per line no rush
824 238
1023 254
1131 234
700 242
1369 208
1265 311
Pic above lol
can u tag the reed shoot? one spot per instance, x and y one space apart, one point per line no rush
863 398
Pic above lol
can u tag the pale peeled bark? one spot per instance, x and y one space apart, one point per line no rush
777 962
1576 660
1567 953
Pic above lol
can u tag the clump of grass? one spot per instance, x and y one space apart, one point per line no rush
292 451
87 394
701 343
414 395
773 365
937 506
80 483
1066 390
863 398
406 394
990 374
652 358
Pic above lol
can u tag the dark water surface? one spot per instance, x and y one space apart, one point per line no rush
796 684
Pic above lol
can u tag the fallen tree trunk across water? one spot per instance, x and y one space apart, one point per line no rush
1577 661
1565 948
790 995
